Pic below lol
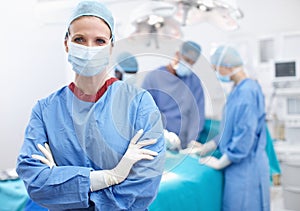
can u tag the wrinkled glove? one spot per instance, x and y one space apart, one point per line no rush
48 159
195 147
192 148
215 163
172 140
104 178
207 148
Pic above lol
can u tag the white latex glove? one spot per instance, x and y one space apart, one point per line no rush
172 140
192 148
215 163
48 159
207 148
195 147
104 178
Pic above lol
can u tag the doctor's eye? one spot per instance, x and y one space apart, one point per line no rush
101 41
78 40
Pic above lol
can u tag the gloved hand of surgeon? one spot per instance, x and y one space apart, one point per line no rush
172 140
101 179
104 178
215 163
48 159
195 147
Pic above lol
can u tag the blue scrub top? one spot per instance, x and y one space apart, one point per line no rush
243 139
180 100
86 136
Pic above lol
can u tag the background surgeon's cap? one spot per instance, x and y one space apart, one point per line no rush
226 56
190 50
126 62
93 8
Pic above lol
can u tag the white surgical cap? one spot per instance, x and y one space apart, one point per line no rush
226 56
93 8
190 50
127 62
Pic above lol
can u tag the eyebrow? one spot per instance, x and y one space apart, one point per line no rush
97 37
103 37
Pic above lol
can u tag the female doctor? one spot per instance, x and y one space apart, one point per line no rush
243 138
96 144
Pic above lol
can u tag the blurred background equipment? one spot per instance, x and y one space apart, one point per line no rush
155 18
224 14
167 17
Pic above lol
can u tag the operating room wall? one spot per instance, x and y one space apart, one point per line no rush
34 64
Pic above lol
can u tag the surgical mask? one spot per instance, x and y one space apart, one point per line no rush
129 78
88 61
183 69
223 78
226 78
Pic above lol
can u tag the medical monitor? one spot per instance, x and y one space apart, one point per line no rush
286 70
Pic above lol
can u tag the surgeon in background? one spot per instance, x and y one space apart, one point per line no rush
242 141
126 67
97 143
179 95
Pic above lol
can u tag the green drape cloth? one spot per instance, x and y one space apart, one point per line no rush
188 186
13 195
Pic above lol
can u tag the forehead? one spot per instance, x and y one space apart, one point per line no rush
90 23
191 53
189 56
220 68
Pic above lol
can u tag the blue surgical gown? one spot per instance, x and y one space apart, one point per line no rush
180 100
86 136
243 139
